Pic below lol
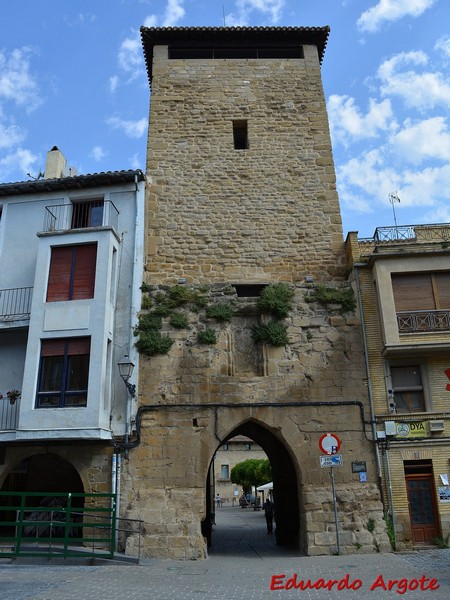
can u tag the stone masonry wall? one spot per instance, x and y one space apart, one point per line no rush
218 216
164 482
266 213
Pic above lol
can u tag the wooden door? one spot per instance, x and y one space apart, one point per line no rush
422 508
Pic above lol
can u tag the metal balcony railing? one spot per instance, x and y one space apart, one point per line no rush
410 233
15 304
423 320
391 234
81 215
9 414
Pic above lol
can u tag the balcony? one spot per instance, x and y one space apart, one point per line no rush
9 414
410 234
15 304
421 321
81 215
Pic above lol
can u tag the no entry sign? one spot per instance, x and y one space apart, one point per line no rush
329 444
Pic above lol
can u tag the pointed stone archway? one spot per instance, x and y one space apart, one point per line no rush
289 531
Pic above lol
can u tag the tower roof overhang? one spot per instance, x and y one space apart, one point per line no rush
229 37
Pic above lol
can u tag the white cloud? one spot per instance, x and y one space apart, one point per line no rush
391 10
10 135
151 21
80 19
348 123
97 153
428 139
132 129
419 90
174 12
130 54
135 161
429 187
21 159
443 44
441 214
369 175
17 84
113 83
271 8
365 183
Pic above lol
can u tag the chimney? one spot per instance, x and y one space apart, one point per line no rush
55 165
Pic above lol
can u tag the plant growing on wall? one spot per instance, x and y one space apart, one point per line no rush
329 295
273 333
276 300
173 303
178 320
220 312
153 342
207 336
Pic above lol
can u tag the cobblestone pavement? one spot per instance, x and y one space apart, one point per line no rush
243 563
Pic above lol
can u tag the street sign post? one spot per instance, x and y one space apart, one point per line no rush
329 445
331 461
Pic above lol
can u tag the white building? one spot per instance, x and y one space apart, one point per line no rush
70 276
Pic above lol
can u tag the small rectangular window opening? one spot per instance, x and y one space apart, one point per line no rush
249 290
240 136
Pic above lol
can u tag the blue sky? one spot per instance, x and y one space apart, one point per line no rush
72 74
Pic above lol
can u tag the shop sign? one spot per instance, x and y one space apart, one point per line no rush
411 429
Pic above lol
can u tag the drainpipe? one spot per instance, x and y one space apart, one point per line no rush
391 499
135 286
115 481
369 380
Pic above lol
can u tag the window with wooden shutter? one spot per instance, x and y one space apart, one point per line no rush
64 373
72 272
421 291
422 301
408 388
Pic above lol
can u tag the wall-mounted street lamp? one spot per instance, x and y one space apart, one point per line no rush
126 370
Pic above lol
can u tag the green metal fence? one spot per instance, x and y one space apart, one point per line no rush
37 524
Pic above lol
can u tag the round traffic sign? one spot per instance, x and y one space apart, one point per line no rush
329 443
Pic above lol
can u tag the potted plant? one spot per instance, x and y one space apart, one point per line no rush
13 395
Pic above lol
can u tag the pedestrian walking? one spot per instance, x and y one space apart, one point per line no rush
269 513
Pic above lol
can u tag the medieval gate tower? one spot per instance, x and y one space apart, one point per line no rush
243 235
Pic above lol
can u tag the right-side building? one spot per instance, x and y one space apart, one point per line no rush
402 278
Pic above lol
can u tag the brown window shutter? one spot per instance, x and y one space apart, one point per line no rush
52 347
84 271
413 291
80 345
443 289
59 277
69 346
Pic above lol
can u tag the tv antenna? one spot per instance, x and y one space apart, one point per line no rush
393 198
36 178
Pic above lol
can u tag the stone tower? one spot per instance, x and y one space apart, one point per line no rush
243 224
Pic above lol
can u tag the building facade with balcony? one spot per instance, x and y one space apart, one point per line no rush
70 273
402 275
